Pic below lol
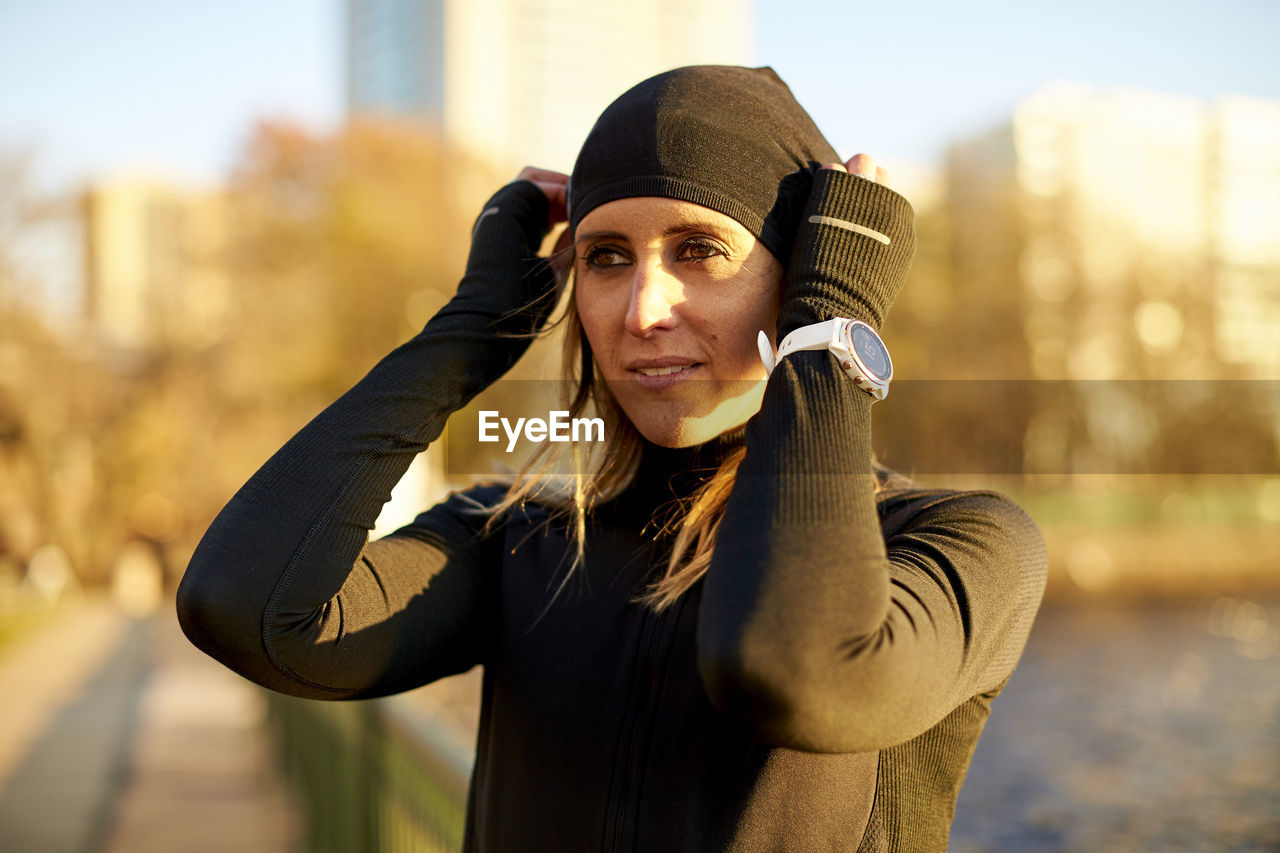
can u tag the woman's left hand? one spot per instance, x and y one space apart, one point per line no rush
852 249
864 165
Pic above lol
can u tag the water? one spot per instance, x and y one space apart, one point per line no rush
1131 729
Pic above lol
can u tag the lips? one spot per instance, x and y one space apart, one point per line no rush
662 361
661 372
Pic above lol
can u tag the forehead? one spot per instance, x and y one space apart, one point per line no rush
652 217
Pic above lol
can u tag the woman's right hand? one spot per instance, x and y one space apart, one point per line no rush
555 185
507 283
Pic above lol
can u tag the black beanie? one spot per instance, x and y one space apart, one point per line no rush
728 138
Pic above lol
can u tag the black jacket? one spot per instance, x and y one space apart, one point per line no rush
821 688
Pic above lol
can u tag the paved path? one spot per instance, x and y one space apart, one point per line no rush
116 735
47 670
69 691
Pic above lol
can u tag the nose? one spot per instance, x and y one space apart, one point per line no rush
654 294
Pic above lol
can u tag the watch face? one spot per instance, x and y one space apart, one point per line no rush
871 351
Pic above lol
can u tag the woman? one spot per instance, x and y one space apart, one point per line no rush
801 657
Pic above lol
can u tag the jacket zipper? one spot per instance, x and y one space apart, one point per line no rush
654 674
631 721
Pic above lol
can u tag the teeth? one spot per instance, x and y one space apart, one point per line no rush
663 371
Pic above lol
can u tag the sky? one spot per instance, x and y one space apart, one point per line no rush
909 77
91 87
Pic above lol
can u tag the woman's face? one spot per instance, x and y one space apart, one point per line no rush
672 296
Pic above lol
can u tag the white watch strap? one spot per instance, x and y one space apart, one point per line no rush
817 336
814 337
829 335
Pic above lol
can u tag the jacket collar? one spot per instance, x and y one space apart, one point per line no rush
670 474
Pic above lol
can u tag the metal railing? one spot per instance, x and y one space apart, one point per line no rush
372 776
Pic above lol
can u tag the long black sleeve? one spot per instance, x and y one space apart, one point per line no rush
813 630
282 588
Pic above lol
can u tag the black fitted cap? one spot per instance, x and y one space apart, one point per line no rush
729 138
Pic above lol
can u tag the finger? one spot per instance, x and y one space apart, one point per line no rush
882 176
555 192
838 167
557 201
531 173
862 164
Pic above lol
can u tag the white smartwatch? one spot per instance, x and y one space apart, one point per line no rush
855 345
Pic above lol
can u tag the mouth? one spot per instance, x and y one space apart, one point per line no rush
662 373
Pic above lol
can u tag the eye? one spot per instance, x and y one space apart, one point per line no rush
699 249
603 256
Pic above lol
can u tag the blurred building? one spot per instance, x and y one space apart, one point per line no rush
1131 234
1128 235
1244 180
152 276
522 81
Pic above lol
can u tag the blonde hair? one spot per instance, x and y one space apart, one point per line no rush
600 475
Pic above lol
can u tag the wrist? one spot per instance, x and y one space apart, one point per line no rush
525 203
857 349
505 278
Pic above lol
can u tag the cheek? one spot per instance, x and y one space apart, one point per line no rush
757 310
588 309
770 304
598 320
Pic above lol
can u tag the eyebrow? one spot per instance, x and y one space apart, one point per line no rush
686 227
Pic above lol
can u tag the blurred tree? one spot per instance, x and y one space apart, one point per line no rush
342 246
32 409
336 248
963 397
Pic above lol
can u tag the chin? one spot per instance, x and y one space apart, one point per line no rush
676 435
688 420
689 431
